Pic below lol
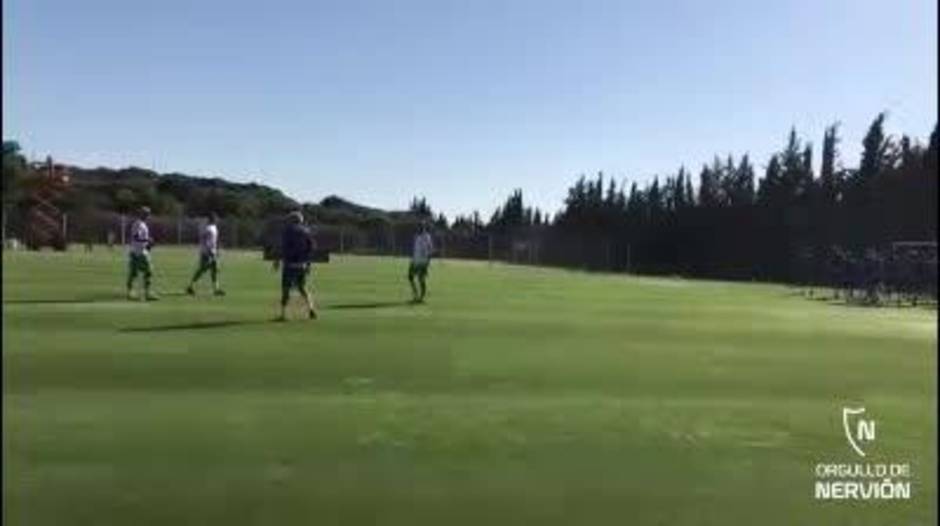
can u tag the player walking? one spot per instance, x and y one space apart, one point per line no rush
208 257
420 259
139 255
296 251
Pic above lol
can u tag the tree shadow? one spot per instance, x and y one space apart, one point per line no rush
924 304
369 305
199 325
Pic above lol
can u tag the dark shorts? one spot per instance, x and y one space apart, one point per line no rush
140 264
207 261
417 269
294 276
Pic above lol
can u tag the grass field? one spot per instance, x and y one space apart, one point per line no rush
514 396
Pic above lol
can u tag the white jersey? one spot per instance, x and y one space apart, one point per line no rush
209 240
140 237
422 249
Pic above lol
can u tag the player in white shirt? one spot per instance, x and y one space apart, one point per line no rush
208 256
139 255
420 259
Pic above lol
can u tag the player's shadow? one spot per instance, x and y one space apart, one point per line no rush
92 298
369 305
193 326
102 298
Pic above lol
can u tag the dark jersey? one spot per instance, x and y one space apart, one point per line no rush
296 245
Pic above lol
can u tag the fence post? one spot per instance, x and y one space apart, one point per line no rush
179 230
65 229
123 230
235 233
490 247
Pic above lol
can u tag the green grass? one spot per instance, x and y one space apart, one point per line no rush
514 396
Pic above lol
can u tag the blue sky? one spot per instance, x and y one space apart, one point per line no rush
460 101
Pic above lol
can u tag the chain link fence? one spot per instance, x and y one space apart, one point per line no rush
901 270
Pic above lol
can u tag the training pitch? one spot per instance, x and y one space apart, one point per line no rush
516 395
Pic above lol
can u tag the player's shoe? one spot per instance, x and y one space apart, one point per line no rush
312 313
190 290
219 292
151 297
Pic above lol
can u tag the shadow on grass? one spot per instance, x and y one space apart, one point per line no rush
929 306
922 304
67 301
97 298
194 326
370 305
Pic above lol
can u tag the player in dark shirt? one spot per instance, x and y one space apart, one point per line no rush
296 252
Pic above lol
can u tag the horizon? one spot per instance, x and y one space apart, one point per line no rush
459 104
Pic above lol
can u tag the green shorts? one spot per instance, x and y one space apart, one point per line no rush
140 263
208 261
417 269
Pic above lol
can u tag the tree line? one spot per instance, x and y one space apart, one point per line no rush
734 224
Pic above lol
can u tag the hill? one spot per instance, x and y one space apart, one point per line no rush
175 194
